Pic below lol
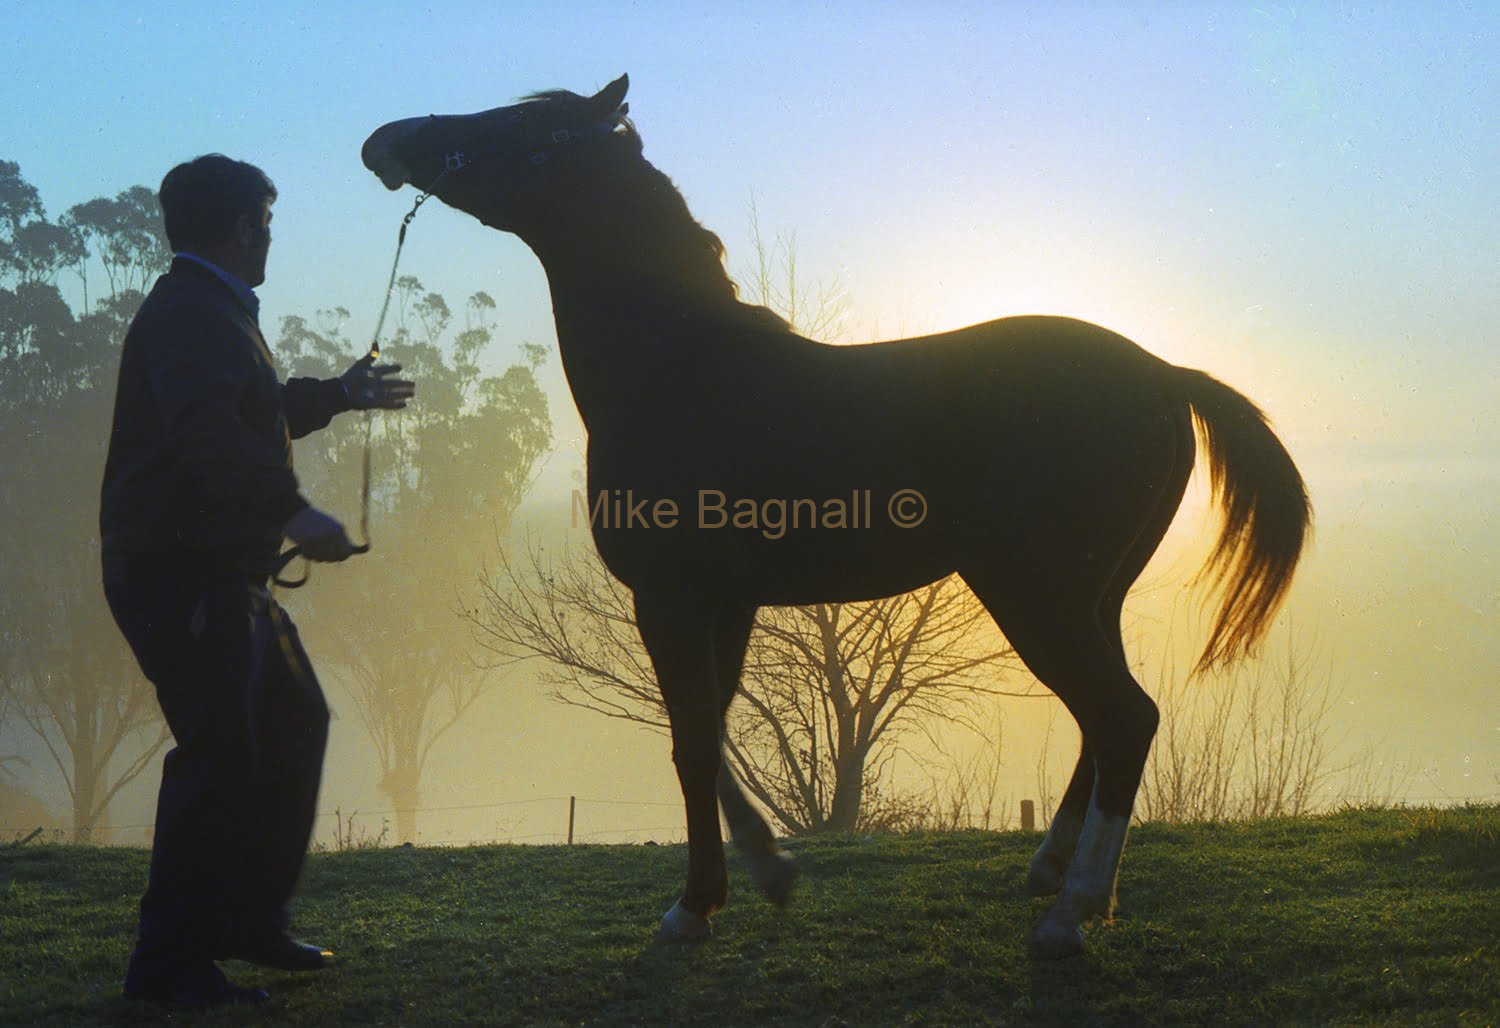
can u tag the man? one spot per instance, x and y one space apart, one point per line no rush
198 494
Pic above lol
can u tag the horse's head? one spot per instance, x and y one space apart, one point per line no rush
496 164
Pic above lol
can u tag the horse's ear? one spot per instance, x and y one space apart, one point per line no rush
609 99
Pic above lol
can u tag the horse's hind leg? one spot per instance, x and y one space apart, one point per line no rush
772 871
1064 645
1049 864
679 636
1118 721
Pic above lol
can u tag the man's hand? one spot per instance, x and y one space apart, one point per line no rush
319 536
369 385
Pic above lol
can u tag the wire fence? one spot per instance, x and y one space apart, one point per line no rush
543 820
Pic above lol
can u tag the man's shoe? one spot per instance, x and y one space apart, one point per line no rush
206 989
283 953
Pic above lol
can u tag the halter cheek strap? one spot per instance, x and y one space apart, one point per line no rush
537 148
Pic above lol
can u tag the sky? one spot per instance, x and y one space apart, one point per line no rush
1302 199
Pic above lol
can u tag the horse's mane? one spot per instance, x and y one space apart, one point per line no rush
695 251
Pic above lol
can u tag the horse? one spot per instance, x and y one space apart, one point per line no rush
733 464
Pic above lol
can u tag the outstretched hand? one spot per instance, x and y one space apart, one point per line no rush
370 386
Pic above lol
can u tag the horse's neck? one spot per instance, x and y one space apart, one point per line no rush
631 224
628 270
614 333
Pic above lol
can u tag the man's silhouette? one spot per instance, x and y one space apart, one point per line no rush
198 494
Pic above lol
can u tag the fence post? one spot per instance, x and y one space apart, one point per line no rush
1028 816
572 808
22 842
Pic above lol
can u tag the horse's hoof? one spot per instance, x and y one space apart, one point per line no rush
1055 942
682 925
774 875
1059 933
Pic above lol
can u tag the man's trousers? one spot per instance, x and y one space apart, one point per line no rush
239 790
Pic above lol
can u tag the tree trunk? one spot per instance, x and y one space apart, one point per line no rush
402 786
85 776
83 804
848 794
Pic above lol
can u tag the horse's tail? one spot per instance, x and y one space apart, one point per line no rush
1267 515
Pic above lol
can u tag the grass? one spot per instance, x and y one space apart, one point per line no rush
1361 917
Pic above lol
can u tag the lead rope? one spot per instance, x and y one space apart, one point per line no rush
289 555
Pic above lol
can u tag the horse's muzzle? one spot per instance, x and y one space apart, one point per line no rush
377 156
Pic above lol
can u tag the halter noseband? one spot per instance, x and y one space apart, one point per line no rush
536 146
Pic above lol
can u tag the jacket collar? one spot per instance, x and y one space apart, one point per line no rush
241 290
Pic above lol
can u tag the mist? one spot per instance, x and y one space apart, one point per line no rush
1303 205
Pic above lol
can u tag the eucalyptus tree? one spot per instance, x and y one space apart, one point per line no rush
71 683
448 472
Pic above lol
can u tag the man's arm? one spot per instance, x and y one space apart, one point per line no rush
311 403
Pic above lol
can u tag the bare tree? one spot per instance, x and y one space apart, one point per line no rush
962 792
830 693
569 611
772 280
1250 744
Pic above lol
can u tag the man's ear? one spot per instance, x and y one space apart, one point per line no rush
244 232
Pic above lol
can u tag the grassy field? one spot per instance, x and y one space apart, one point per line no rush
1362 917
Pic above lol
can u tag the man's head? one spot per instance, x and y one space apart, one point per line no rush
220 209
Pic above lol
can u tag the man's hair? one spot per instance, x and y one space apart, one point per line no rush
202 199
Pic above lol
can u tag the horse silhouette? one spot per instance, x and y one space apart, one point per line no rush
734 464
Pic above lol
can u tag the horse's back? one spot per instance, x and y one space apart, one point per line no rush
1015 434
1015 354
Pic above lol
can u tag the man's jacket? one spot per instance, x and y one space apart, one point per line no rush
199 473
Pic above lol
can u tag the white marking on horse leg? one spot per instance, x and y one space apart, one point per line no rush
682 925
1088 890
1050 862
1096 862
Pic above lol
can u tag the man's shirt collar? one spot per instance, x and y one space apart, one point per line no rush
237 285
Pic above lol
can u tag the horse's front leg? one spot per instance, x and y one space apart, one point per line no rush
679 636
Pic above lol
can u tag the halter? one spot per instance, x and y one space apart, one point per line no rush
456 160
536 145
